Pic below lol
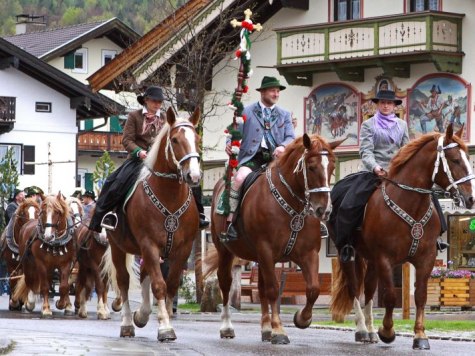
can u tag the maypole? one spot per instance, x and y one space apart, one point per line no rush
243 54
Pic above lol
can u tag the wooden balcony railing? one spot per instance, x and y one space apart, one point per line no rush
100 141
7 113
391 42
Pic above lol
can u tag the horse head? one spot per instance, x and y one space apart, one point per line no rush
316 164
53 217
456 174
76 210
28 210
183 144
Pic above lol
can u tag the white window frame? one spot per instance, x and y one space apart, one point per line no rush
18 148
48 107
82 70
107 52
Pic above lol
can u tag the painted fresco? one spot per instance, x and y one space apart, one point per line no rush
435 102
332 112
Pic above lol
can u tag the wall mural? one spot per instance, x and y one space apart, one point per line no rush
436 101
331 111
368 108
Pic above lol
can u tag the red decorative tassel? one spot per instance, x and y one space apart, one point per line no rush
245 89
233 163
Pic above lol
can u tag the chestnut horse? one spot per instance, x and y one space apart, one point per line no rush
279 221
401 225
47 244
91 247
27 210
161 220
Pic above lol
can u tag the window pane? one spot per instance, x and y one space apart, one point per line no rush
419 5
434 5
78 60
355 9
342 8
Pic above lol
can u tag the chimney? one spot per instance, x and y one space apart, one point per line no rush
29 23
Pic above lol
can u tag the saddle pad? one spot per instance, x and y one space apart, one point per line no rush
129 194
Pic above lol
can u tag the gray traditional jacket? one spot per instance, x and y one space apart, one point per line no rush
253 130
380 153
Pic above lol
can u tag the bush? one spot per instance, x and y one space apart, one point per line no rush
188 288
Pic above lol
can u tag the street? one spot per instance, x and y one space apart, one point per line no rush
197 334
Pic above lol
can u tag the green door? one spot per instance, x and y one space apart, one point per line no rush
88 182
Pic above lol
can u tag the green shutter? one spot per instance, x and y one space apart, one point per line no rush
69 61
115 124
88 124
88 182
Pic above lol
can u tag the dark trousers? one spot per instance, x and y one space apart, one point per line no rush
115 190
197 193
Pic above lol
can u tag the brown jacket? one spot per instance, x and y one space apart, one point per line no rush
133 140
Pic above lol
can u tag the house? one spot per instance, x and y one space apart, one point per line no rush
40 107
334 54
79 51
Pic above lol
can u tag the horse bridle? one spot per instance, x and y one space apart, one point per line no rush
177 163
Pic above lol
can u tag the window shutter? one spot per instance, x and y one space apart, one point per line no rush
88 124
88 181
28 156
115 124
69 61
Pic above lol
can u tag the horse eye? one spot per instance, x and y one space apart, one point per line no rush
174 140
456 161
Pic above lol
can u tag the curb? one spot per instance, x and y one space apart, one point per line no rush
6 346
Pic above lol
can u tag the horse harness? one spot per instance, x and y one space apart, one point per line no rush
171 222
417 227
58 244
297 221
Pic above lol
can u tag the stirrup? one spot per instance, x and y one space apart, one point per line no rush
441 245
109 221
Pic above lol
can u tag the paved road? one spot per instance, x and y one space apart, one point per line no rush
197 335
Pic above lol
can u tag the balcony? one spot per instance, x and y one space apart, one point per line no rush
100 141
7 113
390 42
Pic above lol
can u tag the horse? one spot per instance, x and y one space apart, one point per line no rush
47 244
401 225
91 247
279 221
160 221
28 210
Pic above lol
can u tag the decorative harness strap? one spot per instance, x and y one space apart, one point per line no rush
298 220
171 223
58 244
417 227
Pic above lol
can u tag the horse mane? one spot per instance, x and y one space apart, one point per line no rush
57 204
297 148
409 150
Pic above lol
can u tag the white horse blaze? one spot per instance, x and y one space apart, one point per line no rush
49 220
325 164
194 164
31 212
469 169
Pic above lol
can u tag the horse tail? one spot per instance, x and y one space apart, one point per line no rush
348 284
211 264
109 271
21 290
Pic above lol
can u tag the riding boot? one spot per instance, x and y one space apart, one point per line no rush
204 222
231 233
441 245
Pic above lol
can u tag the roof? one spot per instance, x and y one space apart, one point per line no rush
86 103
52 43
151 48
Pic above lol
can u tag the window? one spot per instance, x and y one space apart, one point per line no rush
107 56
424 5
347 10
16 154
29 159
80 61
43 107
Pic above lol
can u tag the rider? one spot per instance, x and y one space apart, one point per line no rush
34 192
266 132
89 203
381 137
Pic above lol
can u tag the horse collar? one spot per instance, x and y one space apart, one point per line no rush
58 245
417 227
171 222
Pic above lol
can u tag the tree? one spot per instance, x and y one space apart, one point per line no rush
104 167
9 181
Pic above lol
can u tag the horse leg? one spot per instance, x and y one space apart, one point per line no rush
266 322
64 301
142 315
309 265
386 332
421 342
44 291
225 278
101 302
370 284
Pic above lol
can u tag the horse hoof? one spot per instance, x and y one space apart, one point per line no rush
56 304
14 307
303 325
139 324
127 331
167 335
373 338
227 333
69 312
266 335
279 339
29 307
421 344
362 336
47 315
386 339
102 316
116 306
82 315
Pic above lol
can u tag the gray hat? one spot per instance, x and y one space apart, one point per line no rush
154 93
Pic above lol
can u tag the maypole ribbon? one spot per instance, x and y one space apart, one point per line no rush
233 134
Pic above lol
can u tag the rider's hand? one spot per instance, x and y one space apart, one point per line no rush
143 154
379 171
278 151
228 149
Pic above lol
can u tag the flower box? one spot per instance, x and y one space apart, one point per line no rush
455 291
433 292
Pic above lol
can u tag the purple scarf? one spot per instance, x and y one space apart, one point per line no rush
387 129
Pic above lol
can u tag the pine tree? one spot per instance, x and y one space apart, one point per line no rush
9 181
104 167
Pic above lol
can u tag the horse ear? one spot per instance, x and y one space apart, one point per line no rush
59 196
307 142
195 117
459 133
171 118
335 144
449 132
